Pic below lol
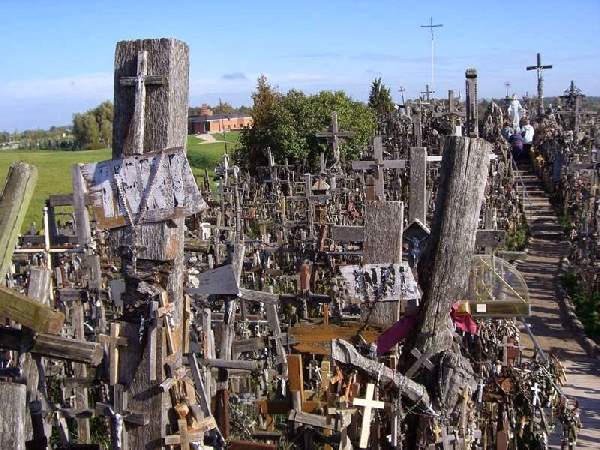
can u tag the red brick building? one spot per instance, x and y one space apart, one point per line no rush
207 122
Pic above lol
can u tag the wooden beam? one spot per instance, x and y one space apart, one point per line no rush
30 313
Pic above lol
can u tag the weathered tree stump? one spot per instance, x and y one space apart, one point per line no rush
444 270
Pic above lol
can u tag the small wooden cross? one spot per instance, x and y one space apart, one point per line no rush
113 341
368 403
427 92
422 360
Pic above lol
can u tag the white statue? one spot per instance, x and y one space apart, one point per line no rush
514 112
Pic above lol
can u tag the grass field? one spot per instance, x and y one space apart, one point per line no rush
54 167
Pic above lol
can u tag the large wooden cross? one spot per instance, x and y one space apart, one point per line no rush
139 83
540 81
378 165
369 404
427 92
333 136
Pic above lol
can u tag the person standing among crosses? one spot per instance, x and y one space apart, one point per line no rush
527 132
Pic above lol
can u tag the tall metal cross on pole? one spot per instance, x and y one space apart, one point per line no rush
540 81
401 90
431 26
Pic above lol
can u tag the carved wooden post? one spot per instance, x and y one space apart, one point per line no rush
151 101
14 200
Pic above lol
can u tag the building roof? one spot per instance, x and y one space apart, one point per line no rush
207 118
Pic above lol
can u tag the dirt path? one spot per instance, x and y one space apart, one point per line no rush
540 270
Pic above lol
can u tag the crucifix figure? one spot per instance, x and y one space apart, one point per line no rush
378 165
540 81
368 403
333 136
139 82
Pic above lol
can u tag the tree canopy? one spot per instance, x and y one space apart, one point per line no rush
380 99
93 129
287 124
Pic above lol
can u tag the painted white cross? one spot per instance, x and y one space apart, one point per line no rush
368 403
536 391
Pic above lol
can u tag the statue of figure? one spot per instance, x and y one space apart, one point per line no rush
514 112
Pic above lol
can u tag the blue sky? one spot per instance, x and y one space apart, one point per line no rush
57 56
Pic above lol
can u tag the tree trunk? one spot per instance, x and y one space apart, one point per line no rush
443 273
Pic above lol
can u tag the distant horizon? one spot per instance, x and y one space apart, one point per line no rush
546 97
61 59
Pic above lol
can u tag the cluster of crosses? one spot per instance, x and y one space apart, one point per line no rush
364 306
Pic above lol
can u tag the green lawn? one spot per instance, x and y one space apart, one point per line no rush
54 168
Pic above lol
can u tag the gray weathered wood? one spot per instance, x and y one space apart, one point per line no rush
446 263
12 416
417 205
14 201
383 232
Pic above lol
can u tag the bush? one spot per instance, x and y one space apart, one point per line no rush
587 304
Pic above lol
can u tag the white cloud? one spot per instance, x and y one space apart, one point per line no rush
86 86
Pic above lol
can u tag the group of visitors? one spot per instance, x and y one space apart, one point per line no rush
518 131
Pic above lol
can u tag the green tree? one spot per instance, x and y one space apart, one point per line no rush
223 108
380 99
93 129
287 124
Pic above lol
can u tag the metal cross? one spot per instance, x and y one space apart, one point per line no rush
540 81
139 82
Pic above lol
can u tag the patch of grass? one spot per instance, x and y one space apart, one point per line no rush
587 304
516 240
232 137
564 220
54 168
54 174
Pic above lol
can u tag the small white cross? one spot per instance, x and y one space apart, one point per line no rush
480 387
368 403
535 390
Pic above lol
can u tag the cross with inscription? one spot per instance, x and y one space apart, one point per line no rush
333 136
369 404
540 81
139 82
378 165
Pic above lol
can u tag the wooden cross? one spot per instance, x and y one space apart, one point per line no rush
422 360
113 341
540 81
573 96
427 92
378 165
509 353
139 82
368 403
333 136
402 90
